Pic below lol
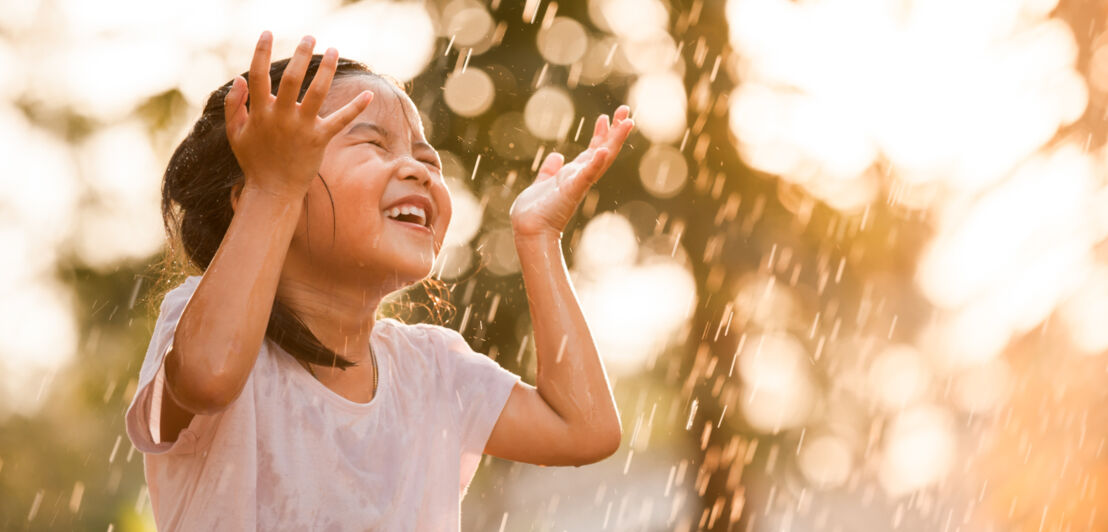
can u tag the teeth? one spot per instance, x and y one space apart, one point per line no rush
407 209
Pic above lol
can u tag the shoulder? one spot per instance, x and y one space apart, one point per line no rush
425 334
173 304
436 344
180 294
417 349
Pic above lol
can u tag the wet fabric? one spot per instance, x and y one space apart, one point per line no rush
290 454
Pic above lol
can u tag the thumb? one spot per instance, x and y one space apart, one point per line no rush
234 105
550 166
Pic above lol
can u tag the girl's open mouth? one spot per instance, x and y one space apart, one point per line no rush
412 226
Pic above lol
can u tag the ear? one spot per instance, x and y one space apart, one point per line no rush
236 190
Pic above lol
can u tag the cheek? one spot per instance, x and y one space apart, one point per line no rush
351 206
446 213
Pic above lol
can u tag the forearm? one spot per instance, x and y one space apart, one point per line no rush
571 377
221 329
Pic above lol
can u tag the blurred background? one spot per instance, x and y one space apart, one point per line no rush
849 274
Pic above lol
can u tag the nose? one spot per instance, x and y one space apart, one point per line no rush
411 169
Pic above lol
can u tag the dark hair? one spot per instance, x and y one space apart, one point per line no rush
196 205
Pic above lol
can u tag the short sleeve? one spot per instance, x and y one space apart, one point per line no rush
143 416
481 387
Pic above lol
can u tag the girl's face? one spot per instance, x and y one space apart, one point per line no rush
378 166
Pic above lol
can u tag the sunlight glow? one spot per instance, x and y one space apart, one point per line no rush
465 214
121 170
778 389
843 99
369 32
1085 311
826 461
659 105
608 241
925 431
987 247
638 301
898 377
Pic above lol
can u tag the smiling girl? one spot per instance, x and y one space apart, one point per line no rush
271 396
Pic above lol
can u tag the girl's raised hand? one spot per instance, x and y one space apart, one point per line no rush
545 207
279 142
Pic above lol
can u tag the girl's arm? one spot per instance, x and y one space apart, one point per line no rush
279 145
570 418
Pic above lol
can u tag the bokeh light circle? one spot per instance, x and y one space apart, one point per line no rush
510 137
655 54
762 302
469 93
778 390
549 113
465 215
471 27
826 461
663 171
923 431
598 62
659 101
498 249
369 32
898 377
563 42
452 262
608 241
635 312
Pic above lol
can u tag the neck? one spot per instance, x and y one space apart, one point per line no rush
341 317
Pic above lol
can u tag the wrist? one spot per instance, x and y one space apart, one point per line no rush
274 206
538 248
543 237
268 193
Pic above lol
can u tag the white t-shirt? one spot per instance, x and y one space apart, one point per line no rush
290 454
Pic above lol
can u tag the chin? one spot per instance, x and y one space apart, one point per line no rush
407 273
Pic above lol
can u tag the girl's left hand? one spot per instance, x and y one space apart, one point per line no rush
545 207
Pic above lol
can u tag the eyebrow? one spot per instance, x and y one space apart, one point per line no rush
362 126
357 128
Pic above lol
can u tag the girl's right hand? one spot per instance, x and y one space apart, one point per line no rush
279 143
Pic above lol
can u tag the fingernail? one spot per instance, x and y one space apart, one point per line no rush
307 40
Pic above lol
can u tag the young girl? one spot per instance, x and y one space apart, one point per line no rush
271 397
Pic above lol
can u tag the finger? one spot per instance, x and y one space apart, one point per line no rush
600 132
259 70
346 114
579 184
616 138
293 75
550 166
234 105
619 134
313 99
621 114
